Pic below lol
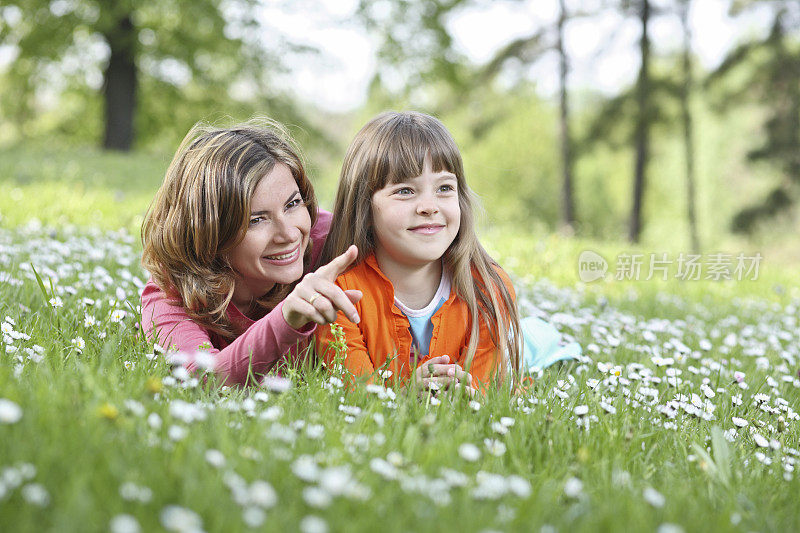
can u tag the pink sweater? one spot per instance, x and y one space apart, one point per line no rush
263 343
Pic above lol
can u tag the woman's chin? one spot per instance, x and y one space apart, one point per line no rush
285 275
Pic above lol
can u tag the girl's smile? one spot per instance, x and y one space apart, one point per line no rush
428 229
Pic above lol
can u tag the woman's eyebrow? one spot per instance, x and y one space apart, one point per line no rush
267 211
292 196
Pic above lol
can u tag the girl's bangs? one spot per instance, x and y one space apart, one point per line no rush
407 148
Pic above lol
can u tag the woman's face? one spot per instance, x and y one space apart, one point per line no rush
276 238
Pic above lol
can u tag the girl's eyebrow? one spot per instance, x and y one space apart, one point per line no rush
267 211
443 177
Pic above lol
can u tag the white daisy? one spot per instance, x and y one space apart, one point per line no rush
469 452
10 412
739 422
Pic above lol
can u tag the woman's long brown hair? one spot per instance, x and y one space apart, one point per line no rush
201 212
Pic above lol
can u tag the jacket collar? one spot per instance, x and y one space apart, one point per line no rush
372 262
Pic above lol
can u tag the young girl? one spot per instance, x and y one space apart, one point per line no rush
432 295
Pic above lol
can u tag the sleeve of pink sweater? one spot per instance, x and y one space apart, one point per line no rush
259 348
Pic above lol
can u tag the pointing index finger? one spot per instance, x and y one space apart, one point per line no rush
339 264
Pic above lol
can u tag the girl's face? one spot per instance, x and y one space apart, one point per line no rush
415 221
276 239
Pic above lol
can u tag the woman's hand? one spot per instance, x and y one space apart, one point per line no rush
318 299
436 374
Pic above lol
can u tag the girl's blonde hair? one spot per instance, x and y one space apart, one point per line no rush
392 148
202 210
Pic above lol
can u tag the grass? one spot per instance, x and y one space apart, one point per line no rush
98 429
61 185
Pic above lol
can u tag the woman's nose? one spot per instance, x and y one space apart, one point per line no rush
285 230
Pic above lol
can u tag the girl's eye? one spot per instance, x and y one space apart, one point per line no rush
255 220
447 188
403 191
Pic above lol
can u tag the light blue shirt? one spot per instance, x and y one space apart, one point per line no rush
419 320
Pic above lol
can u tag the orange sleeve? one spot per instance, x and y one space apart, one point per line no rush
356 359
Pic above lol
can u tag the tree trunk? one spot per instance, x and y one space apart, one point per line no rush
568 205
688 127
119 86
642 126
792 73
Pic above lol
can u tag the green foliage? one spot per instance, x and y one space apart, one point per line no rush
416 44
508 154
718 467
193 60
769 73
511 162
614 120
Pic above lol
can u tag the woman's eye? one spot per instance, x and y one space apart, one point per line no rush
294 203
255 220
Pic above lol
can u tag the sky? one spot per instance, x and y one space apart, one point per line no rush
337 78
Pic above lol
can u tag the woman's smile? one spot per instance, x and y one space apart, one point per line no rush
285 258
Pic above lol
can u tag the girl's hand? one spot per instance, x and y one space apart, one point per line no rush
318 299
436 374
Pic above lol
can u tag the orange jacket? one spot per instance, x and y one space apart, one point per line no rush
383 333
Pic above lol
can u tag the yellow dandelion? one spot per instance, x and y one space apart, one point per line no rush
583 454
154 385
108 411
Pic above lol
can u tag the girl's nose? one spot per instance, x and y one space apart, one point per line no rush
427 205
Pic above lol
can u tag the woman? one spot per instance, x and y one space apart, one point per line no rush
231 231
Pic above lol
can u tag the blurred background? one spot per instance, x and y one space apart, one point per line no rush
664 124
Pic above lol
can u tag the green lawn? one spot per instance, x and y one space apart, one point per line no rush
682 416
77 185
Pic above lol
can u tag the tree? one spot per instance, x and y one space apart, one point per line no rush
686 115
419 49
568 203
643 122
415 43
771 68
180 50
120 83
636 111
